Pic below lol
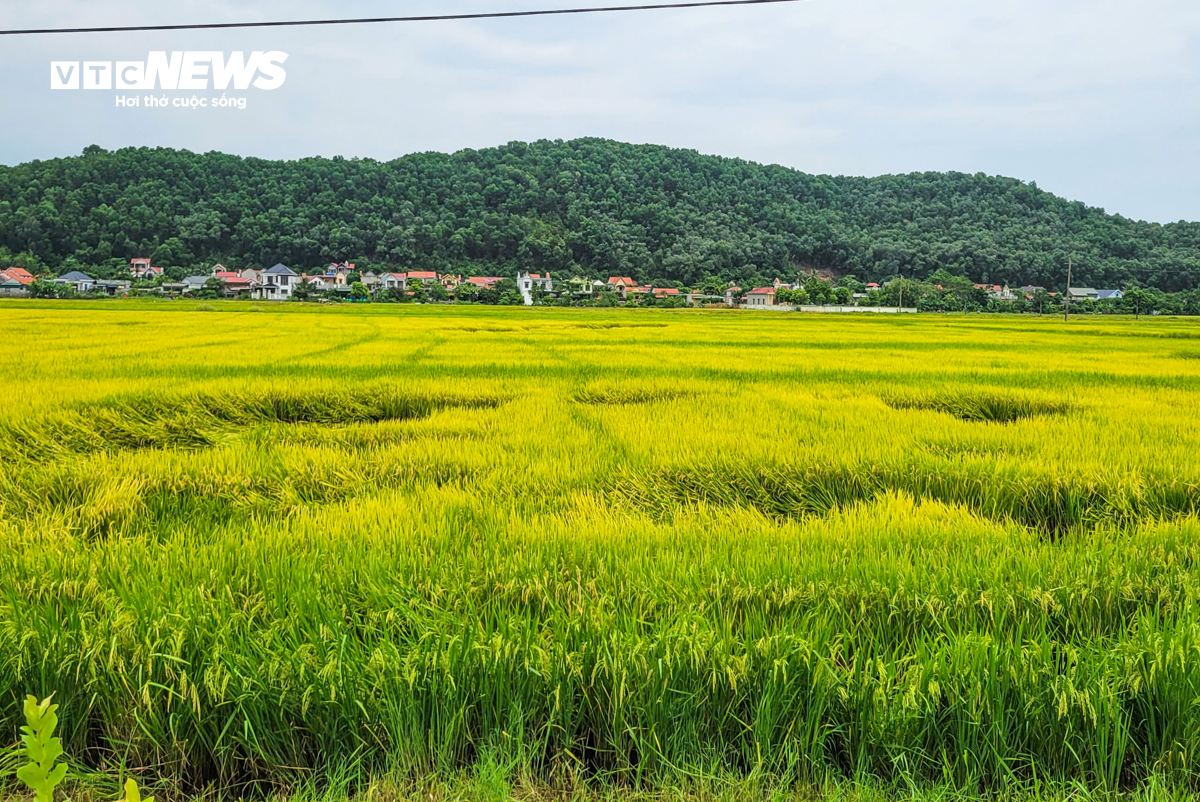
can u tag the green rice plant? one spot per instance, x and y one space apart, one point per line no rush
982 407
557 552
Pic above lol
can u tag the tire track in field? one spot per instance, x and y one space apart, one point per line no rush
375 333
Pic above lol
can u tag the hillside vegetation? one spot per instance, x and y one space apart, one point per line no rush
587 206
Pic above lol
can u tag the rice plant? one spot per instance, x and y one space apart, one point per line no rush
632 551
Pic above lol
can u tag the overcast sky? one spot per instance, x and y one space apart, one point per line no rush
1095 100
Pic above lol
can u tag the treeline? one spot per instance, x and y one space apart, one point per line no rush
586 207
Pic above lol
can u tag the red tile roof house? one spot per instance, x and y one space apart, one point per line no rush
12 285
140 268
338 271
622 284
237 285
485 281
760 296
18 274
425 277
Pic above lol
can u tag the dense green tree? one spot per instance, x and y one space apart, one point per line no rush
590 207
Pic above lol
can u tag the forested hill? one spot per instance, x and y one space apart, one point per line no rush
587 206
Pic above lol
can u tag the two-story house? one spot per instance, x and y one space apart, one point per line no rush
277 283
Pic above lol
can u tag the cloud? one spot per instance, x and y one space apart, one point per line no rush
1094 99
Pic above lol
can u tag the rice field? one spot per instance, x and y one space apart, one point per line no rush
254 549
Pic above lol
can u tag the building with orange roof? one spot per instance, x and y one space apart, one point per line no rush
761 296
18 274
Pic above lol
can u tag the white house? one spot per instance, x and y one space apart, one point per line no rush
80 282
525 287
194 284
527 283
278 283
395 281
140 268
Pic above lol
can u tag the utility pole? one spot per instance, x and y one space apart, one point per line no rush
1067 310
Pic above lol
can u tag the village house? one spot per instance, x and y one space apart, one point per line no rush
699 299
221 272
80 282
193 284
731 295
665 292
371 280
425 277
1109 295
320 283
12 287
525 287
622 285
996 292
278 283
140 268
394 281
237 286
1081 294
526 284
19 274
484 282
112 287
15 281
451 283
339 272
582 286
761 296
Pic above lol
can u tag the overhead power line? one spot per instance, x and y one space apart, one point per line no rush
374 20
